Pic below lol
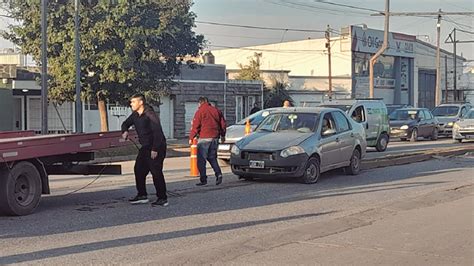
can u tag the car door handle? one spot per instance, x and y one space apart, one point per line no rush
352 135
337 139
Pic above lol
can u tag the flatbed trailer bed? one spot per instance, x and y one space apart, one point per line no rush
27 159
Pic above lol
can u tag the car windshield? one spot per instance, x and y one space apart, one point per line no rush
342 107
401 114
301 122
446 111
255 119
469 115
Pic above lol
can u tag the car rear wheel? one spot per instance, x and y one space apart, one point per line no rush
312 171
382 143
434 134
354 167
414 135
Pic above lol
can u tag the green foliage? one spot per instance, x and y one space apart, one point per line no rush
252 70
126 47
277 94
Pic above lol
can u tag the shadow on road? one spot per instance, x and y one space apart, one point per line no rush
109 208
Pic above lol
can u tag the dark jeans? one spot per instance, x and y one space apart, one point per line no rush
143 165
207 150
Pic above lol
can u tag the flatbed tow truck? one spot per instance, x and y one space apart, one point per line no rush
27 159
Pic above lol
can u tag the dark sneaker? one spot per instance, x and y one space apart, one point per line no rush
218 180
160 202
201 184
139 200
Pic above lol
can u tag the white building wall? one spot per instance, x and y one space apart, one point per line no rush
301 58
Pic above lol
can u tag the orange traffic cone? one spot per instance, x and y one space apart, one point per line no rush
248 129
194 164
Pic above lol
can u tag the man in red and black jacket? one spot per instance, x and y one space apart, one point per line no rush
208 125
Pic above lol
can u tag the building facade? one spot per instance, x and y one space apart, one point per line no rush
20 102
403 74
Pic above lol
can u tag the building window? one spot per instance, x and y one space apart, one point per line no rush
250 102
239 108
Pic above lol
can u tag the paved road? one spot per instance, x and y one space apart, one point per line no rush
242 222
407 147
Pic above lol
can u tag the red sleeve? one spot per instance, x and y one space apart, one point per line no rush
222 124
196 125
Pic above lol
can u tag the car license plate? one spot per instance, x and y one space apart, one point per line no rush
257 164
224 147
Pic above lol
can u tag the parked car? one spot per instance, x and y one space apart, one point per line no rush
447 114
412 123
237 131
372 114
464 128
300 142
393 107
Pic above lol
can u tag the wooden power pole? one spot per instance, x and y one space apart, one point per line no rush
328 46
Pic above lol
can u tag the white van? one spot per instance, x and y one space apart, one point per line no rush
372 114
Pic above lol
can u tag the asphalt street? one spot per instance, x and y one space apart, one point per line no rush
258 222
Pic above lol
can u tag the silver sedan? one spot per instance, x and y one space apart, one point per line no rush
464 127
300 143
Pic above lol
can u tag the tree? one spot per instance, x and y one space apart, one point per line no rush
252 70
277 93
127 47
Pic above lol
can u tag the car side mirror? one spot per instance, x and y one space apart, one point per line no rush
418 119
329 132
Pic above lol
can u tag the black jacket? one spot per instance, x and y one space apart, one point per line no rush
148 127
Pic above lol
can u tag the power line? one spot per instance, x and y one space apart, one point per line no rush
465 31
267 50
256 27
348 6
448 19
339 12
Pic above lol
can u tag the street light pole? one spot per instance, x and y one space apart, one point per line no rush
328 46
382 49
44 68
77 47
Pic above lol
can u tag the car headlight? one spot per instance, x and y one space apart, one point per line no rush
293 150
450 124
235 150
404 127
456 126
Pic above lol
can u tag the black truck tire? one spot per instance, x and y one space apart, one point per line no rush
20 189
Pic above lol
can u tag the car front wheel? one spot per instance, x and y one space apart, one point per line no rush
434 134
414 135
354 166
312 171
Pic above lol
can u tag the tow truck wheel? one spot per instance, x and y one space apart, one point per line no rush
20 189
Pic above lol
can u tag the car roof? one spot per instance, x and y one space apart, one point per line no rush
454 104
412 109
315 110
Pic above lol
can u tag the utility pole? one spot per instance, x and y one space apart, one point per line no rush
328 46
455 67
438 61
382 49
439 15
446 98
77 47
452 39
44 68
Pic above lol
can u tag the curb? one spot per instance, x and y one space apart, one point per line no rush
404 158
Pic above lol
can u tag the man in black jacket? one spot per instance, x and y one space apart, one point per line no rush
152 153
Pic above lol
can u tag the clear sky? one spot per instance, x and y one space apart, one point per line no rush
314 15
